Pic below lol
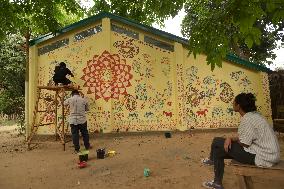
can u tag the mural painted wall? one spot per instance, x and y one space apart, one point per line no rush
148 103
209 95
135 81
81 54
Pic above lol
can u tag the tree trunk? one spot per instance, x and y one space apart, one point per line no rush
27 47
239 51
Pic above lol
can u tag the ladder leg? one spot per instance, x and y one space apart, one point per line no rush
63 119
33 129
55 121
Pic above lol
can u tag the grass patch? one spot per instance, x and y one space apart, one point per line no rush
8 122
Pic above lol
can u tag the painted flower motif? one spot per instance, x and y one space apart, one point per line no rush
227 93
107 76
126 48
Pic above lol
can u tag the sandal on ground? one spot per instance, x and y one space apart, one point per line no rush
207 161
212 185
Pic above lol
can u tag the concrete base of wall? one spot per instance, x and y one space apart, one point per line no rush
148 133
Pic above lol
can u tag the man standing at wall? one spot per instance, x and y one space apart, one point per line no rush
77 119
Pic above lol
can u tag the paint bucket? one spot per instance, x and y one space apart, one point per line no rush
101 153
83 156
168 135
146 172
111 153
82 164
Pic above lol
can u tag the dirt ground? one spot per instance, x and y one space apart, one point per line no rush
173 162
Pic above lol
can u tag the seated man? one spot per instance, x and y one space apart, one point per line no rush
256 143
60 73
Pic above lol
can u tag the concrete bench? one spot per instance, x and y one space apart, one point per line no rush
245 172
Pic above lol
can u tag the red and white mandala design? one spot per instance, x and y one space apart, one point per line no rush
107 76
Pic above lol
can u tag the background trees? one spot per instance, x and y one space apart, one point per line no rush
12 70
146 11
36 16
21 20
248 28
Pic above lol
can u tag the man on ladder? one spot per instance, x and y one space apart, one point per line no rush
60 73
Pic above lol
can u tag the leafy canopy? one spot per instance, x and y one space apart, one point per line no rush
38 16
22 19
249 28
146 11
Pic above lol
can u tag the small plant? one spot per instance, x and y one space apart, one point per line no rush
21 124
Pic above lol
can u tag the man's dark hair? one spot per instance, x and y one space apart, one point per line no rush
75 92
62 64
246 102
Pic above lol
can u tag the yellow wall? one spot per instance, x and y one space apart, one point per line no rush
135 86
209 94
148 102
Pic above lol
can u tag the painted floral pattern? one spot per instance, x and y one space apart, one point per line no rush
107 76
127 48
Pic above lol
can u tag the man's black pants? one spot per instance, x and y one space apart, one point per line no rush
218 154
75 135
64 81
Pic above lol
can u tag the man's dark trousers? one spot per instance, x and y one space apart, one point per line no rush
218 154
75 135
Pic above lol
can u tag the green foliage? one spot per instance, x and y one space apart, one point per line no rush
8 122
146 12
7 12
12 70
37 16
21 123
249 28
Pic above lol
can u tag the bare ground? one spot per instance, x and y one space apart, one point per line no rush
174 163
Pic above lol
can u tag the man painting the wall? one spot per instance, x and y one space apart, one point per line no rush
60 73
77 119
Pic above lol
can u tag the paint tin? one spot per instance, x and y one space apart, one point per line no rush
146 172
168 135
83 155
111 153
101 153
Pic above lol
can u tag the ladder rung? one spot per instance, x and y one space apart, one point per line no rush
46 111
45 124
47 99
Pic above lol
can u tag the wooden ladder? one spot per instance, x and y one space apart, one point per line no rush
52 105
